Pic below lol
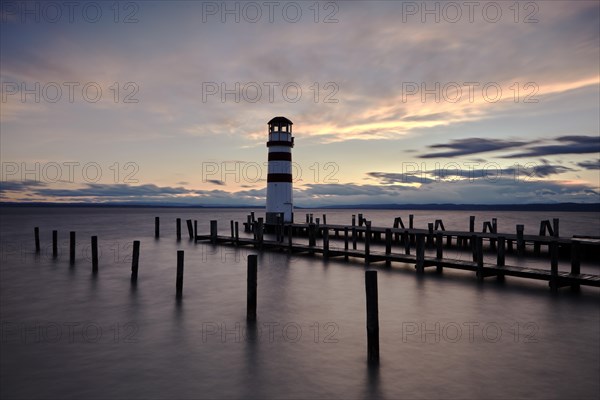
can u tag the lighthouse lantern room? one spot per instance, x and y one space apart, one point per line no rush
279 177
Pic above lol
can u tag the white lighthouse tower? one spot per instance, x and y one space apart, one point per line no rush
279 178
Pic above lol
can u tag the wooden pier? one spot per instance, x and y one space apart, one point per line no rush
408 245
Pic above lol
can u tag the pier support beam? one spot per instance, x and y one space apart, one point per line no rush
372 317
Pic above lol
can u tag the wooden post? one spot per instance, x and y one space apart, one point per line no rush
353 220
555 226
179 279
472 223
554 266
501 251
372 316
353 237
261 230
252 216
248 224
479 250
388 241
575 263
307 218
324 219
449 241
251 286
213 231
536 243
326 242
237 233
311 234
520 240
94 254
494 229
420 253
156 227
311 218
439 242
72 247
36 234
346 242
360 223
54 244
195 229
232 229
411 221
430 235
367 241
474 247
406 241
190 228
135 259
178 228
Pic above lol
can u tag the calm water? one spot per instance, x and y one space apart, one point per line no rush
67 334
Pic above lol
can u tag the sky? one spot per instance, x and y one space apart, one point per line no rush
167 102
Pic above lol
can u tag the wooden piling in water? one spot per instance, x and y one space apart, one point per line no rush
372 316
72 247
36 235
251 287
326 243
156 227
367 242
575 262
179 278
473 242
237 233
54 244
213 231
554 285
406 240
439 254
346 243
479 257
430 235
420 238
500 256
555 222
190 228
324 219
232 229
520 241
354 239
195 229
135 260
94 254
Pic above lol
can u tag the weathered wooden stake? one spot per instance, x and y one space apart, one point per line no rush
72 247
324 219
479 251
520 240
372 316
195 229
354 237
575 263
179 279
555 226
420 253
326 242
346 242
178 228
190 228
135 260
474 247
554 265
368 242
501 252
411 219
439 243
388 241
156 227
213 231
232 229
251 286
94 254
36 234
406 241
54 244
237 233
430 235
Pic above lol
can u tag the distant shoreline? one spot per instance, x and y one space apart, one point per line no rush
565 207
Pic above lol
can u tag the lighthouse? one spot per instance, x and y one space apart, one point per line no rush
279 177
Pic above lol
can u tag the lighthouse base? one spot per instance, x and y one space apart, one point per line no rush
271 218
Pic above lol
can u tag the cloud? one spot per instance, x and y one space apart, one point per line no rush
591 164
216 182
571 145
474 145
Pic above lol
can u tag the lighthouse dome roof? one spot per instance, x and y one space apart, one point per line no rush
280 121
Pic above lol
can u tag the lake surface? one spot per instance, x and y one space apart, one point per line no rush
69 334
